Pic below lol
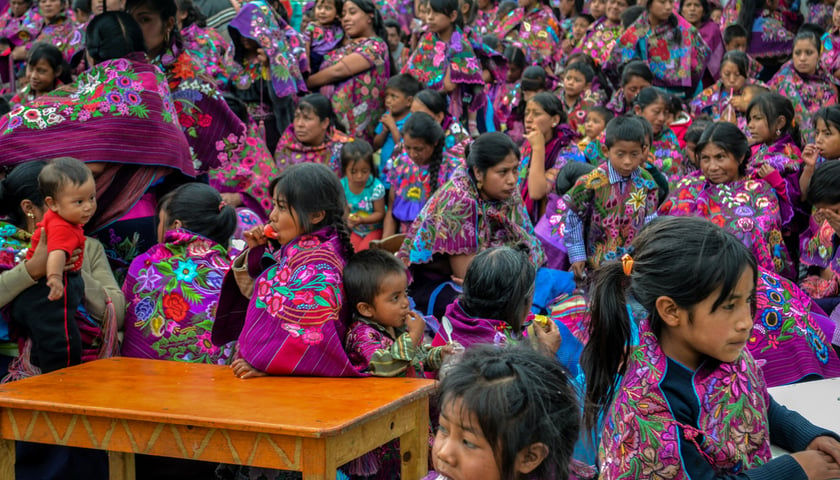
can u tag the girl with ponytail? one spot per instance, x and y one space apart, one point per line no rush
286 309
697 284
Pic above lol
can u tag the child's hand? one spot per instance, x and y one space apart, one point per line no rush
255 236
452 348
262 57
535 138
827 445
765 170
810 154
244 370
415 326
739 102
549 340
353 220
579 269
388 121
817 465
728 114
56 284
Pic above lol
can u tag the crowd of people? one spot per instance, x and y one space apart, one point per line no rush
607 228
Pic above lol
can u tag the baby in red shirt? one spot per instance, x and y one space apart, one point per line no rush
70 195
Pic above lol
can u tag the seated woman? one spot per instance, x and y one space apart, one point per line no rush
438 249
313 136
172 290
143 122
353 77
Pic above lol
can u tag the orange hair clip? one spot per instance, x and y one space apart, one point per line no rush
627 262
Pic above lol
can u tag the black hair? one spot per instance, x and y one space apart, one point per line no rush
310 188
20 184
505 7
750 9
569 175
111 35
773 106
646 126
823 187
166 9
552 105
60 172
421 125
448 7
237 106
392 23
319 105
364 273
200 209
433 100
487 151
625 129
812 33
605 113
518 397
515 56
630 15
471 14
739 59
534 79
355 151
829 115
82 5
636 68
675 104
684 258
584 69
589 18
52 55
732 32
578 6
695 131
650 95
5 106
707 10
194 15
405 83
499 285
731 139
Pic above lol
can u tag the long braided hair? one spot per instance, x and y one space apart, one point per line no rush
310 188
421 125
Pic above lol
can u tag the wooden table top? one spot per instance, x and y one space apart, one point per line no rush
211 396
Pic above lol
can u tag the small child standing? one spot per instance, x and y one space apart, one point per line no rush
399 94
735 38
577 79
70 194
365 194
608 207
596 122
324 34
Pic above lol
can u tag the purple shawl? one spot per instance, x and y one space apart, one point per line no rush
710 31
469 331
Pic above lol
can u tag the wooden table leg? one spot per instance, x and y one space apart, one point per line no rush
121 466
414 445
318 460
7 458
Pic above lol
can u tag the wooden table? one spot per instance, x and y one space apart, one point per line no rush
817 401
203 412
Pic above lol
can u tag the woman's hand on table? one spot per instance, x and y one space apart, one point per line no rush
827 445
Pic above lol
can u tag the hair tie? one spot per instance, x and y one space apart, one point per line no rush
222 205
627 262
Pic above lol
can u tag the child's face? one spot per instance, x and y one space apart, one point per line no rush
579 28
656 113
737 43
75 203
716 15
759 127
597 8
439 22
417 149
633 87
731 77
514 74
393 37
828 139
593 125
18 7
391 306
690 152
574 83
692 11
42 77
460 451
661 9
693 334
325 12
358 174
397 102
423 12
284 220
718 165
806 56
567 8
625 156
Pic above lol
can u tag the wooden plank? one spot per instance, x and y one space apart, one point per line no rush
7 458
170 390
319 461
121 466
414 445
